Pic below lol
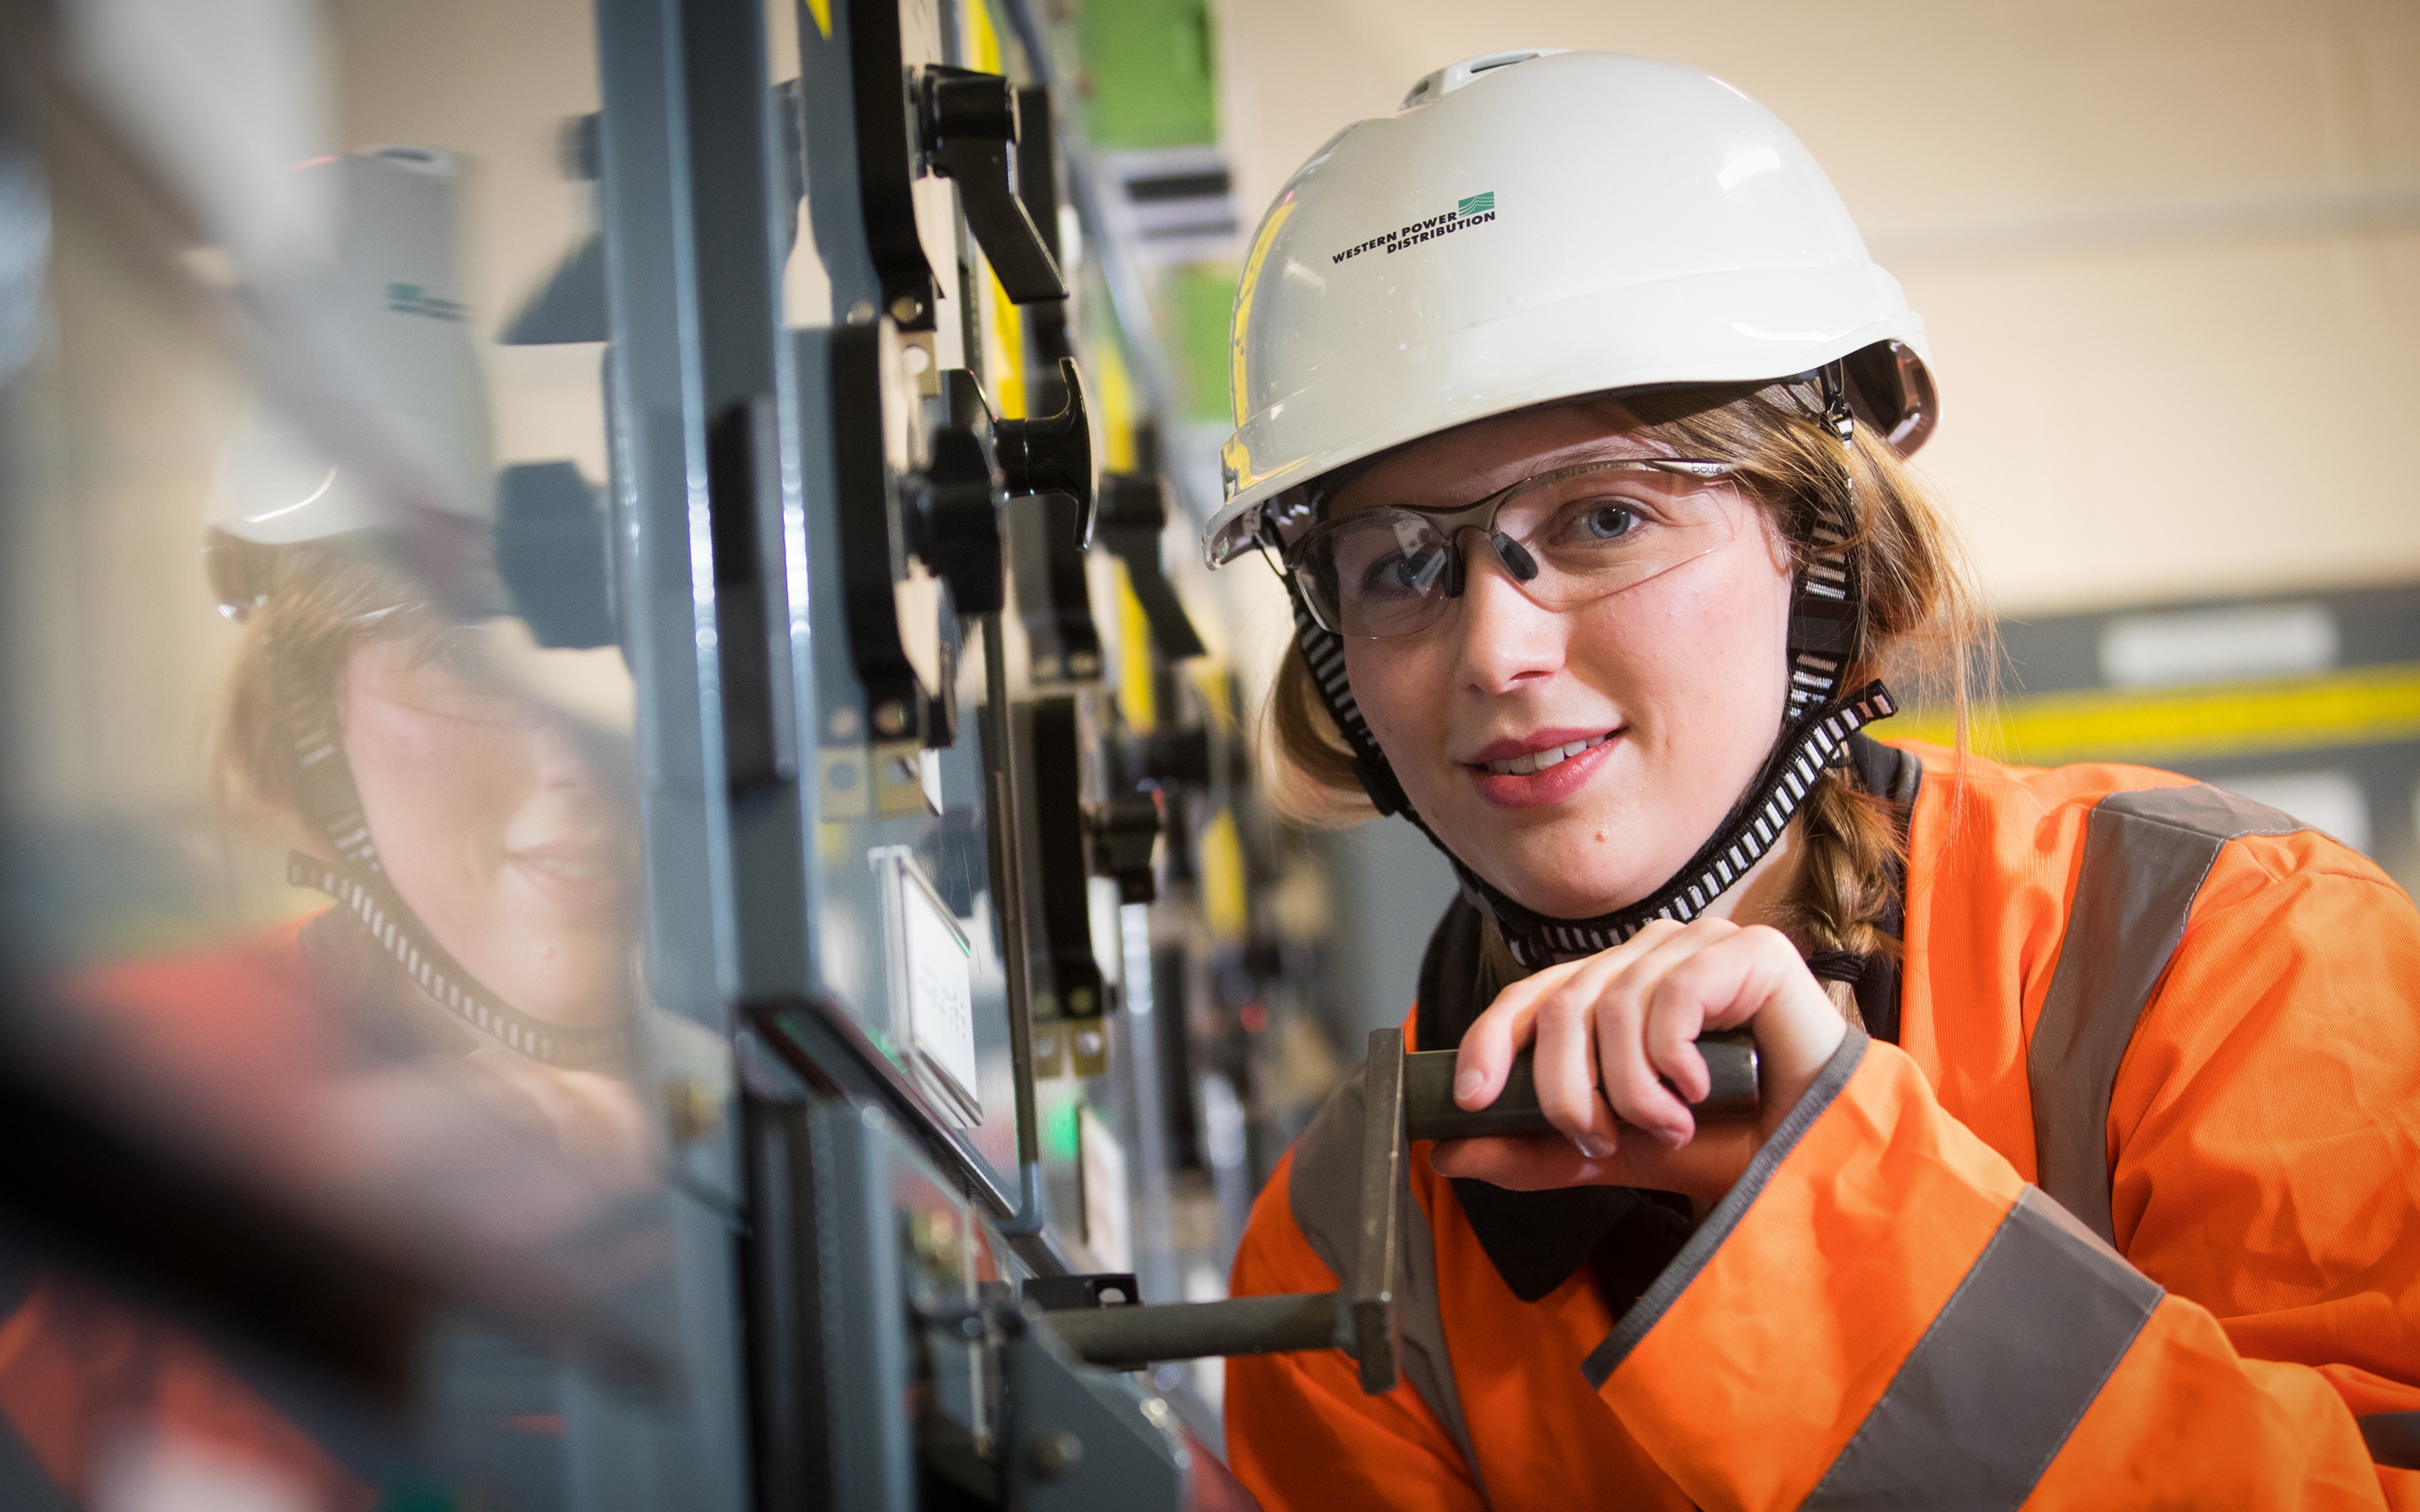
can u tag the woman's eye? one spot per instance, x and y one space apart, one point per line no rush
1602 522
452 651
1399 572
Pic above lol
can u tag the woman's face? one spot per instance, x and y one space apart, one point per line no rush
498 820
1680 680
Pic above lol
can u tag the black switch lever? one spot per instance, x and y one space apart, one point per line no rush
1134 512
1053 454
969 122
1126 831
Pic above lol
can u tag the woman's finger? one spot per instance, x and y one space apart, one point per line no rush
1488 1045
1704 1169
1756 978
1506 1025
1563 1059
1632 1084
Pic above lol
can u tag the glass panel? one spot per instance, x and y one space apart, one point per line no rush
320 812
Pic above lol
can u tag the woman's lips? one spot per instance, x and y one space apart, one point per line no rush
1511 778
575 876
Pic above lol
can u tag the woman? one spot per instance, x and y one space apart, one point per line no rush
1573 413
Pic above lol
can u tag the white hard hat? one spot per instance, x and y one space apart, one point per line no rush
395 301
1533 226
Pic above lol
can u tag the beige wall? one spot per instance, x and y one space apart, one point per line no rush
2169 253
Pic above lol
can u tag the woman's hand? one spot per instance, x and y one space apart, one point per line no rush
1610 1030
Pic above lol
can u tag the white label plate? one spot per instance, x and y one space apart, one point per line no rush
940 979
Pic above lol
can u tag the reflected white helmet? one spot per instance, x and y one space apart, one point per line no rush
395 306
1537 225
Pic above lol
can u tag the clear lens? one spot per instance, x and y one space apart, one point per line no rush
1568 538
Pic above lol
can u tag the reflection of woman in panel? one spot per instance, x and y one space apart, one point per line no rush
475 827
1573 413
456 793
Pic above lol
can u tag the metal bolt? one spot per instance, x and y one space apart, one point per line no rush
890 717
1054 1456
861 313
905 307
844 723
692 1110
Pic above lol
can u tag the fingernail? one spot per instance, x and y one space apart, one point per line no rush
1593 1147
1672 1138
1466 1083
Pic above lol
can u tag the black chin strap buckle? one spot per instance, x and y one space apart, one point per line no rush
1833 379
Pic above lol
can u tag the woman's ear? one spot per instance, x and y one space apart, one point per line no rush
1777 544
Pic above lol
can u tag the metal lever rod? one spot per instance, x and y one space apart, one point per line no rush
1126 1338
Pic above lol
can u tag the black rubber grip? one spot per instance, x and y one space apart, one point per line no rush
1430 1111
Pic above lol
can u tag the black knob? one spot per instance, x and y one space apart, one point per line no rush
1177 757
975 106
1053 454
955 523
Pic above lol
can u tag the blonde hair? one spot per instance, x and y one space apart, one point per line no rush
1921 626
304 607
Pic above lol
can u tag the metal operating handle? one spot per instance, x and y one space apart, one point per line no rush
1430 1111
1406 1097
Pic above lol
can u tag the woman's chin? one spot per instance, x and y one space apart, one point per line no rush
1577 880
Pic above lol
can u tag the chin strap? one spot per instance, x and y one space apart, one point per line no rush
1823 630
390 921
329 807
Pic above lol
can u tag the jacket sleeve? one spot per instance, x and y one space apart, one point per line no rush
1301 1436
1884 1312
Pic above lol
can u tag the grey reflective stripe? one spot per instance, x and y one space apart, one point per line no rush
2145 854
1988 1396
1323 1193
2394 1439
1700 1251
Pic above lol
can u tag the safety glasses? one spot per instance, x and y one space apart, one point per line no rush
1567 537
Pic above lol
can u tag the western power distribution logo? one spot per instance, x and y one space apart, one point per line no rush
1479 210
411 299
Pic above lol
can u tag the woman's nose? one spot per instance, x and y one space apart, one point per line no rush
558 755
1506 638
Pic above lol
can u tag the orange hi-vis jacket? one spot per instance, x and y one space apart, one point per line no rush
2129 1216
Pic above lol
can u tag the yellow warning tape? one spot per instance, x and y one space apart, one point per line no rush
2365 706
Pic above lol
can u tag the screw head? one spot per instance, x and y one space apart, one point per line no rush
890 717
1054 1455
905 307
